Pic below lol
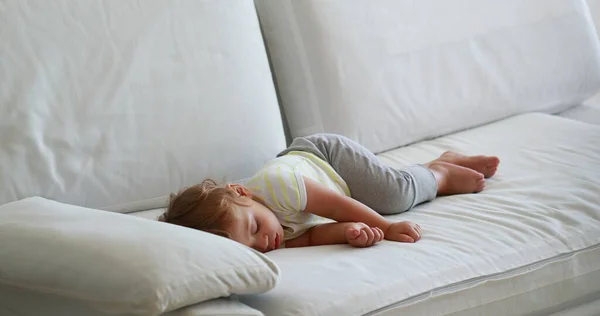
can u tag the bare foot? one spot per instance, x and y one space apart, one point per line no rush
487 165
455 179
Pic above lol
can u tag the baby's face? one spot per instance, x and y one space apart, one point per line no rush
257 227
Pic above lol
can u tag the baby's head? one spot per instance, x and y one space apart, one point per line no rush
230 211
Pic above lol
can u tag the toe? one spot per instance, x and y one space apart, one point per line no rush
479 176
480 185
490 171
494 161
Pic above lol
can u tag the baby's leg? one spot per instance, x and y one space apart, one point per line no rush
385 189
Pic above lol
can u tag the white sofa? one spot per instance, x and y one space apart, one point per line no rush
112 105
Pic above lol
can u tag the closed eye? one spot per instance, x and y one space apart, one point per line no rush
255 227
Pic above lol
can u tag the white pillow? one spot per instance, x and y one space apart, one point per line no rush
120 264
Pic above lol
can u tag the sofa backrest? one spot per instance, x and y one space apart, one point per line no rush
594 7
390 72
114 104
111 104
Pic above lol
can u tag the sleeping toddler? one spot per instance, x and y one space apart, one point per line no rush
325 189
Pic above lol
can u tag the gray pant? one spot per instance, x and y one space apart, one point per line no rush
385 189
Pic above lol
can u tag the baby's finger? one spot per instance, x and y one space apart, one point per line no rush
412 232
381 234
362 238
418 228
354 233
377 235
404 238
370 235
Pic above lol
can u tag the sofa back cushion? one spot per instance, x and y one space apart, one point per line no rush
388 73
111 104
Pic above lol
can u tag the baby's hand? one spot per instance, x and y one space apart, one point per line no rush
361 235
403 232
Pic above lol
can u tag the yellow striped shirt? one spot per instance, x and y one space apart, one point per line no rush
280 184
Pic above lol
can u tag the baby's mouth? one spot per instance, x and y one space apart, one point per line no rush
277 241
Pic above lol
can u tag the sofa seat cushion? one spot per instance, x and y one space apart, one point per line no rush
588 113
534 232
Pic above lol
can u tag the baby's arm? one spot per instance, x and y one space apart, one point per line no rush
355 234
325 202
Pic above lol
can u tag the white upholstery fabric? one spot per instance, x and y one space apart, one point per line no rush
529 242
111 104
149 214
59 259
589 113
586 309
392 72
217 307
594 8
18 302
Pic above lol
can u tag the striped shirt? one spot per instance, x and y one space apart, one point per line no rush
280 185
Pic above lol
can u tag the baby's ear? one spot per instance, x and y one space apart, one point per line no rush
240 189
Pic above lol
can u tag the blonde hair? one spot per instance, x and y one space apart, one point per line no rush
206 206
